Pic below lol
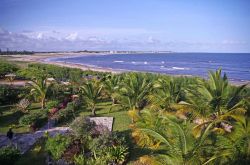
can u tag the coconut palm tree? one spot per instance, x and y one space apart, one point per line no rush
40 87
111 86
134 91
167 92
215 101
171 140
220 96
91 92
236 145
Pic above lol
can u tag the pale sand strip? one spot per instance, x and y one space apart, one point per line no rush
41 58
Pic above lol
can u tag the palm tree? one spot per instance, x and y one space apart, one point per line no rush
167 92
91 92
40 87
171 140
134 91
236 145
215 99
111 86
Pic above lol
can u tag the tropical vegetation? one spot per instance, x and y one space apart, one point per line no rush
158 119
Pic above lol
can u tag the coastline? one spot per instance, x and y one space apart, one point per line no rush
43 58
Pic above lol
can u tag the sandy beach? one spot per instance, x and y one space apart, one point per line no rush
41 58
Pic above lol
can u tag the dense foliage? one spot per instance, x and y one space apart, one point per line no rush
6 68
87 146
8 155
11 95
57 145
178 120
36 119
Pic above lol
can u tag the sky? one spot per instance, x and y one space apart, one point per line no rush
169 25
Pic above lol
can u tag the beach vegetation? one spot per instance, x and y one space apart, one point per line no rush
39 89
6 68
165 119
134 91
91 93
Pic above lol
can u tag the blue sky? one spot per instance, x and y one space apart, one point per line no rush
176 25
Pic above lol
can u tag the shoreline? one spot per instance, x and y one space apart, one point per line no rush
43 58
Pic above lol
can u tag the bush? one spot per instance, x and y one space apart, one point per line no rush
81 127
109 148
28 119
11 95
38 119
6 68
69 111
118 154
9 155
52 104
57 145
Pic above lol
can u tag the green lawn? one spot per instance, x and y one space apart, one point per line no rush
121 118
9 118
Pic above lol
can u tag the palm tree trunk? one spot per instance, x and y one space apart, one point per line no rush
43 103
93 111
113 104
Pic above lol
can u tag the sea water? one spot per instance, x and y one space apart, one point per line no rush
236 65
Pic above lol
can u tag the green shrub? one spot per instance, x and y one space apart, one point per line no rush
81 127
52 104
6 68
117 154
57 145
9 155
38 118
80 160
109 148
27 119
64 114
11 95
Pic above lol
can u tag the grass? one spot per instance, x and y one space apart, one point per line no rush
14 60
10 116
121 118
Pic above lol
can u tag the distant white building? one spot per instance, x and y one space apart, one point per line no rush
112 51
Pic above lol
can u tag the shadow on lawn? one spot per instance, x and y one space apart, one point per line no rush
11 118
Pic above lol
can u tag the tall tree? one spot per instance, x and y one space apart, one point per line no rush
134 91
40 87
91 92
111 86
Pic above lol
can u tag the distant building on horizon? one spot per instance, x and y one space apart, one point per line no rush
112 51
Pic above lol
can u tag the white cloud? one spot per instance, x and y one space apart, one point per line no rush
152 40
72 36
39 36
62 40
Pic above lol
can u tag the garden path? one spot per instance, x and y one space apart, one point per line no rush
25 141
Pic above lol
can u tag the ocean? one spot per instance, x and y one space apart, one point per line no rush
236 65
